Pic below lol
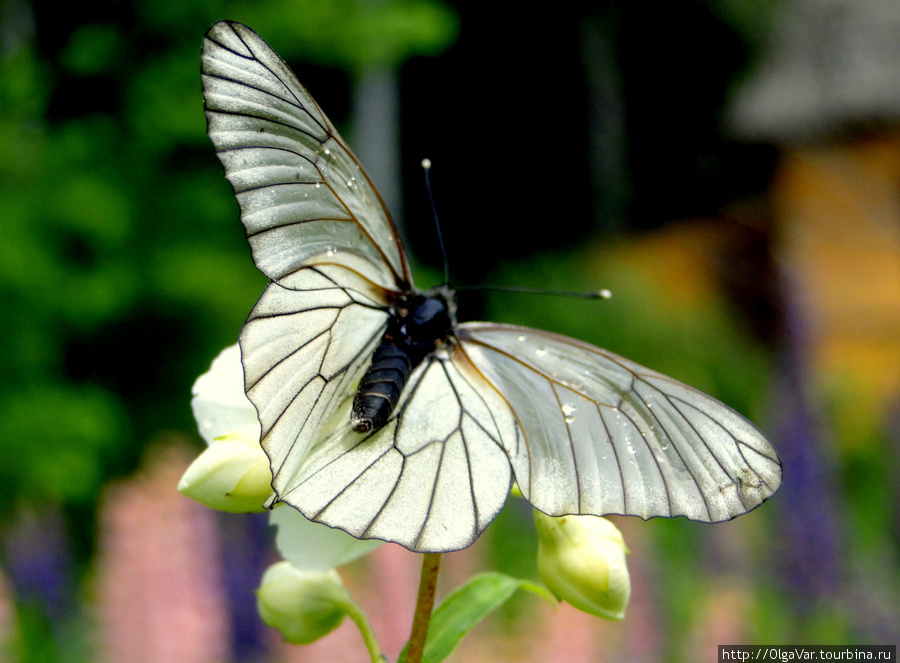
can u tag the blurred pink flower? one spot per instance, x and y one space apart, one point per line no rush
160 597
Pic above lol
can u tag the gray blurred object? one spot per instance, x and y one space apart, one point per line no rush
831 65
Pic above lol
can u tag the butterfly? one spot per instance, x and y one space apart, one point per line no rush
384 417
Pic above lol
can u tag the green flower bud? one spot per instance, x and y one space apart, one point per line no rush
232 474
304 605
581 560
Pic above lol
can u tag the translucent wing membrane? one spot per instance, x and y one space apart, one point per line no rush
304 347
301 191
600 434
431 479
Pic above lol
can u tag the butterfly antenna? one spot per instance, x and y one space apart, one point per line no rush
426 166
600 294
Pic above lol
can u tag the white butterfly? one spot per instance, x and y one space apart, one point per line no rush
423 449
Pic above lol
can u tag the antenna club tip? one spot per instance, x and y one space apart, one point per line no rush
426 164
604 294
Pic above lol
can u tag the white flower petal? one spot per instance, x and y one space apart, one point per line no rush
220 404
312 546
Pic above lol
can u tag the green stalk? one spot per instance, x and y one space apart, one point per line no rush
431 566
365 629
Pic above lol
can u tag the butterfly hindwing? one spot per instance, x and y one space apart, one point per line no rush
601 434
304 347
431 479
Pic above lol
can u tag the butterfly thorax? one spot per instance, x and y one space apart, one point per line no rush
419 323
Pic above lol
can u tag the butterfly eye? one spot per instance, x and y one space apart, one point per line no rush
429 319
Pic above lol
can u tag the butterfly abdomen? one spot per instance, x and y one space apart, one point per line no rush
420 324
380 387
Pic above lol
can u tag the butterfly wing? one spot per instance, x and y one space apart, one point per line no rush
600 434
304 197
431 479
304 348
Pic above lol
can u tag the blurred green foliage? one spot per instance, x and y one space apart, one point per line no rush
123 269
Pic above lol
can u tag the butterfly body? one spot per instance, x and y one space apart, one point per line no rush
382 415
418 324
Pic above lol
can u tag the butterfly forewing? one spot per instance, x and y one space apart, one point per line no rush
601 434
301 191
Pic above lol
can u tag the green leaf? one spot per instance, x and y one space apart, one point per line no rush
467 605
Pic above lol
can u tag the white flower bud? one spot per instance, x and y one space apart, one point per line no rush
304 605
232 474
581 560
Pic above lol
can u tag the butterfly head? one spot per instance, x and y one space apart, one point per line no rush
424 320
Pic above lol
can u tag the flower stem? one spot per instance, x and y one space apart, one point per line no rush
365 629
431 565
